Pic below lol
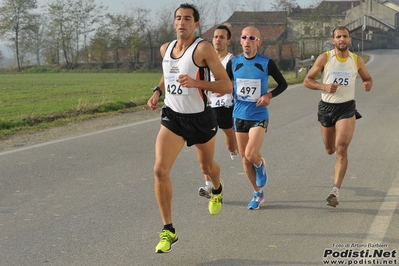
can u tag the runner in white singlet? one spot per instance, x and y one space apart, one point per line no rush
337 109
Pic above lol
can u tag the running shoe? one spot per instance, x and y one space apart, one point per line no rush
233 154
257 199
332 200
167 240
261 175
216 202
205 192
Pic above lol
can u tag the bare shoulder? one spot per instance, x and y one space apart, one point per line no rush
163 48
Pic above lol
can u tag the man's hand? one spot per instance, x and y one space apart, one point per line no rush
264 100
153 101
367 85
186 81
331 88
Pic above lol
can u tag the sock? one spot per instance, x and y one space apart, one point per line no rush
218 191
208 184
257 166
169 227
335 190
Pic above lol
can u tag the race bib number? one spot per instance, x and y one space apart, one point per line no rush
173 87
248 90
222 101
340 77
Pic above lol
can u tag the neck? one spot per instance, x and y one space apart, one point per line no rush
342 54
182 44
222 54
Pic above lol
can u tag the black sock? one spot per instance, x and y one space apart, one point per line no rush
217 191
169 227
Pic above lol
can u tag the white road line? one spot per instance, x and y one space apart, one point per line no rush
382 220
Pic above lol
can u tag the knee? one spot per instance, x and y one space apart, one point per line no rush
160 173
342 150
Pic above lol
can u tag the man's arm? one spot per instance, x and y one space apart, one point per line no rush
310 79
153 101
273 71
206 56
364 74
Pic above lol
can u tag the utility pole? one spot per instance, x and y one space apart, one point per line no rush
363 29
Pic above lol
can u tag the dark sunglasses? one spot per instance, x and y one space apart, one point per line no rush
252 38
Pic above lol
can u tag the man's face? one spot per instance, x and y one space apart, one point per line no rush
220 41
250 47
341 40
184 22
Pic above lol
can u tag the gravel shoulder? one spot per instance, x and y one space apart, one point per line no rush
75 129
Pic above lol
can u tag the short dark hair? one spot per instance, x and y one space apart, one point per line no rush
340 28
190 6
224 27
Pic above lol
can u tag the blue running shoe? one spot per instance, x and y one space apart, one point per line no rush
261 175
258 198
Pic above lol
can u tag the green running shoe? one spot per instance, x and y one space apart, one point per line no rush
167 240
216 202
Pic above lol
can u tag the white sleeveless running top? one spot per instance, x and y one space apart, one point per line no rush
177 97
342 71
227 99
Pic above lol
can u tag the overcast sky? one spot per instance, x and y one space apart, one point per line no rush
120 6
117 6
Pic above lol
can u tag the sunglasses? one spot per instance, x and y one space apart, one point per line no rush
252 38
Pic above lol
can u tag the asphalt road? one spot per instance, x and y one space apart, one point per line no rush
89 200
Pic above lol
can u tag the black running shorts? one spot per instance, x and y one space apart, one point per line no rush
195 128
330 113
224 117
244 126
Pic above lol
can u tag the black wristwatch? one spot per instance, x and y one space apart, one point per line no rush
158 89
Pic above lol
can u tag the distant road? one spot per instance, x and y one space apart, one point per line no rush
89 200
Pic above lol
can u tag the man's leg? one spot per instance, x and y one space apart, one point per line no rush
230 139
246 143
167 147
344 130
205 153
336 140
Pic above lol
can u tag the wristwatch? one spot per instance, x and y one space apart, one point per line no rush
158 89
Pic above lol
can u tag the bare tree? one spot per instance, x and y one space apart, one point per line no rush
203 7
15 18
99 45
61 28
284 5
165 29
215 13
86 16
119 26
233 6
255 5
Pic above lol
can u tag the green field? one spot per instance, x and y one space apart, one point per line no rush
32 101
43 100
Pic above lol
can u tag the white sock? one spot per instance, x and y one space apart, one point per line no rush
335 190
208 184
257 166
